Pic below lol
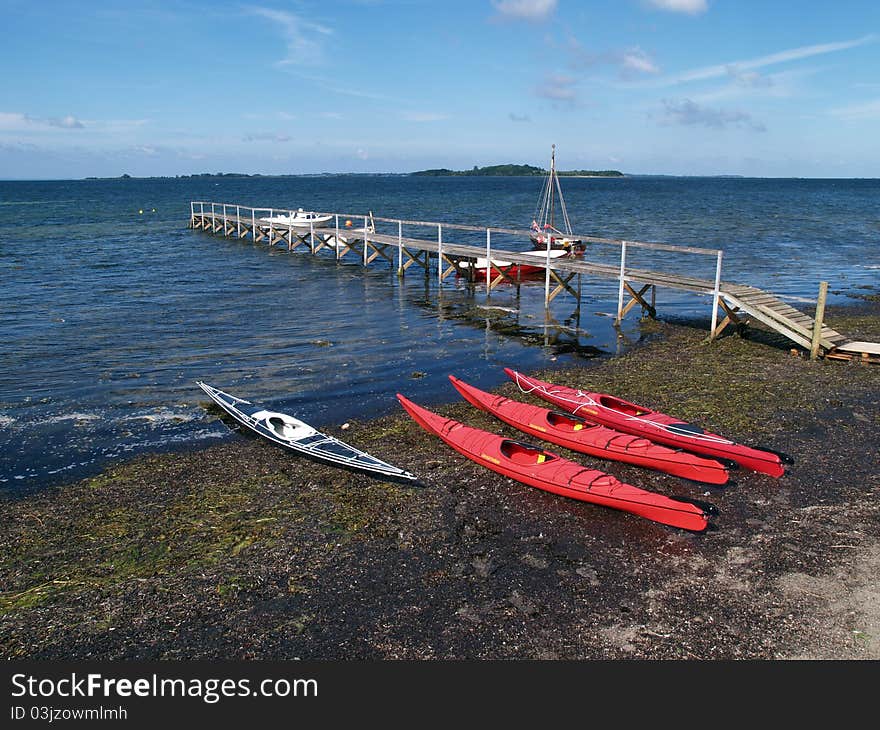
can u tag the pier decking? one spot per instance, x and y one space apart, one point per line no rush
443 253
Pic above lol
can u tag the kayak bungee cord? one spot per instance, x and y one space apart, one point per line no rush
589 401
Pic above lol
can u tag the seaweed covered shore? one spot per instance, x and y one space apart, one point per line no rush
241 550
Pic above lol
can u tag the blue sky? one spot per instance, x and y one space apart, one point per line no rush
771 88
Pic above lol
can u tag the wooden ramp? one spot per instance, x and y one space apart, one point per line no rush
777 315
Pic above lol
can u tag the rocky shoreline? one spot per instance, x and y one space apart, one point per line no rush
242 551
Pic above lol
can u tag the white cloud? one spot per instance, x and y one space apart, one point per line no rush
18 122
636 60
266 137
630 62
303 37
868 110
691 7
67 122
533 10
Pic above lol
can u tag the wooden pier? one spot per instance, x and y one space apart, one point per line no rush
453 249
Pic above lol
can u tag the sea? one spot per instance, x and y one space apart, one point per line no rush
112 307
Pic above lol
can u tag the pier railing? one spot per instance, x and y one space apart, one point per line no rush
619 253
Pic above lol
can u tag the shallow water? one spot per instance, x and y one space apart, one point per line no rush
112 307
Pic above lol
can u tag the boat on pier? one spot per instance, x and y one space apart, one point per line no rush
300 220
551 205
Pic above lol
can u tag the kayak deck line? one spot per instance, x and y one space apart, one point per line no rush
373 238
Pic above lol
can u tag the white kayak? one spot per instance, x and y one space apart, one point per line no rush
293 434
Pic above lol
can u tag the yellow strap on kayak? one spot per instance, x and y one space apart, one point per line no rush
578 426
541 459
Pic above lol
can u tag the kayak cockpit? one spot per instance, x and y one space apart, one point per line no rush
525 454
284 426
568 422
622 406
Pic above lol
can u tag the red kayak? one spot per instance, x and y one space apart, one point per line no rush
641 421
577 434
544 470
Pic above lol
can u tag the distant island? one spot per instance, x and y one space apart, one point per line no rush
517 170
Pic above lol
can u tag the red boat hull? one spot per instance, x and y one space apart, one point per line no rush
545 470
577 434
642 421
513 271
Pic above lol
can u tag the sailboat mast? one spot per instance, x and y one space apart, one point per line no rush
552 179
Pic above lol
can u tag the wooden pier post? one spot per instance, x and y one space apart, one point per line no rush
400 249
715 294
337 237
488 262
622 281
439 255
312 234
817 323
365 240
238 219
254 224
225 233
546 275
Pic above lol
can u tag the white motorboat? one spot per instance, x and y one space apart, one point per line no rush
300 220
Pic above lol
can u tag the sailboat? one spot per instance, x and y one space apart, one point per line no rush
551 205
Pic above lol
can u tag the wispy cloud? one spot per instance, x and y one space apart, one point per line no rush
630 62
423 116
868 110
691 7
557 87
66 122
635 60
18 122
519 117
739 68
266 137
531 10
302 37
688 113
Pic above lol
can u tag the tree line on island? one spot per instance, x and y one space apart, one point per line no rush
517 170
490 171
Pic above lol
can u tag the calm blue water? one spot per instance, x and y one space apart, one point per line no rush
112 307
